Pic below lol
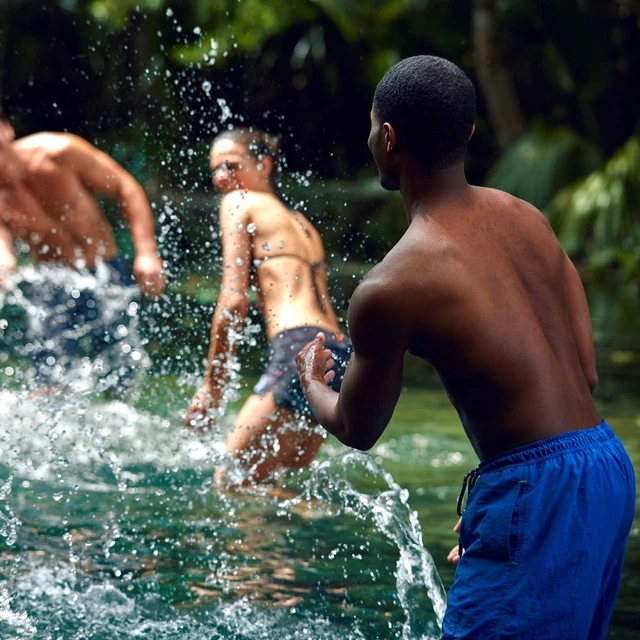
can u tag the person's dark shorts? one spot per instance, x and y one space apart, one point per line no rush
281 375
544 534
72 321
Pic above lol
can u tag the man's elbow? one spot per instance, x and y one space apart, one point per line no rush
360 439
129 190
357 443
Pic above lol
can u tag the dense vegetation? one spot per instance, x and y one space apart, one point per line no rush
150 81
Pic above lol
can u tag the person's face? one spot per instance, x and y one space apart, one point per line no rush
381 143
233 167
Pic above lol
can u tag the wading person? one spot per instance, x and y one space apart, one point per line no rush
48 188
479 287
276 250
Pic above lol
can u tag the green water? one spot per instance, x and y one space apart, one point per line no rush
110 528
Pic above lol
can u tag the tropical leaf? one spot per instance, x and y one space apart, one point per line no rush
542 161
599 215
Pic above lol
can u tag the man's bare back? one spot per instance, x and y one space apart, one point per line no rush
64 200
485 298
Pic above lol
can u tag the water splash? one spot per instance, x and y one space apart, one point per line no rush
15 624
97 350
390 511
226 113
111 497
109 520
8 523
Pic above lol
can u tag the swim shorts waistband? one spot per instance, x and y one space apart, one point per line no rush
549 447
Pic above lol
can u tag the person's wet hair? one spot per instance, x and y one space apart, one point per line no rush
258 143
431 104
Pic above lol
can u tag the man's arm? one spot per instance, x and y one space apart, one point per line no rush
359 414
232 305
580 323
105 176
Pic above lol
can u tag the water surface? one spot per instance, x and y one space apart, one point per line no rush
110 526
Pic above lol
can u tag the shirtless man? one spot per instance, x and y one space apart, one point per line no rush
47 187
479 287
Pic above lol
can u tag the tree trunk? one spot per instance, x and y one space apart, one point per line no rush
494 77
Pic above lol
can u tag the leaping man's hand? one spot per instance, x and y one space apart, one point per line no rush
149 273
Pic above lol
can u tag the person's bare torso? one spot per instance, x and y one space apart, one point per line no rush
483 300
53 210
289 266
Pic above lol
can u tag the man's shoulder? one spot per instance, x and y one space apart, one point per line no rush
59 147
387 284
508 202
421 269
421 255
373 307
48 141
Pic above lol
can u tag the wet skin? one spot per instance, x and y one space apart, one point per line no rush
48 183
479 287
258 230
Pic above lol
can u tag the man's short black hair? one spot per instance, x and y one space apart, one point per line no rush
431 103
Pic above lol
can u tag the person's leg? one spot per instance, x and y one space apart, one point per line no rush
266 436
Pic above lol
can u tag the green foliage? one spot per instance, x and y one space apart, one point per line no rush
542 161
116 12
599 215
141 79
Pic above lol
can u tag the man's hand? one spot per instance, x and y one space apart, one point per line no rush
315 363
200 415
149 273
456 553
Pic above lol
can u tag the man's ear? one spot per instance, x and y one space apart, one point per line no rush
473 129
389 137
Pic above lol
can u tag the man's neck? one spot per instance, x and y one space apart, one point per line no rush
424 189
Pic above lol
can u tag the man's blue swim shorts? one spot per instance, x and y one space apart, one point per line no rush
544 536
